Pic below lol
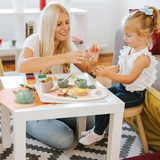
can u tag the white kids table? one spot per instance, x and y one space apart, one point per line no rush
112 106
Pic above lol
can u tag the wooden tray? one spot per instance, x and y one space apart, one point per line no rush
92 94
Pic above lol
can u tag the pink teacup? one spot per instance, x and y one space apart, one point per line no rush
46 86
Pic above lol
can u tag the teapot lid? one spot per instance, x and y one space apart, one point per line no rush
24 88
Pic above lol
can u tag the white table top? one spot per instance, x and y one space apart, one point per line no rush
111 99
112 103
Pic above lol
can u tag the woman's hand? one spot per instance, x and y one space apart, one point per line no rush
100 71
94 52
75 57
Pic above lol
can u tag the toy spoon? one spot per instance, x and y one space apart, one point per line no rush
66 78
66 92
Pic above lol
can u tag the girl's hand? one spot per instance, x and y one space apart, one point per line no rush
94 52
94 71
99 71
75 57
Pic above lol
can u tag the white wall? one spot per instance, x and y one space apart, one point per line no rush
101 22
98 22
119 9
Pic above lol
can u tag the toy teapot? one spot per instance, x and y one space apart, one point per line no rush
24 95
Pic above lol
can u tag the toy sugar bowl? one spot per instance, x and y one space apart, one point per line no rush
24 96
61 83
81 83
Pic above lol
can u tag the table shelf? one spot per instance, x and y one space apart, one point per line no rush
5 46
35 11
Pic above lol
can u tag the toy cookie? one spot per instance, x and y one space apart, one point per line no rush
55 78
80 92
73 76
49 78
61 92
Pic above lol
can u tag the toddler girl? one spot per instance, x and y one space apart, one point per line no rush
135 70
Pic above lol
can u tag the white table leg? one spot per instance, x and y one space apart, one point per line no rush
19 140
81 125
5 127
114 137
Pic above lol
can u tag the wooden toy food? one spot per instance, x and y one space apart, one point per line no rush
64 92
80 92
55 78
73 76
49 78
60 92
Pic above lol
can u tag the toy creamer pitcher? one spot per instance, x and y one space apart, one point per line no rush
24 95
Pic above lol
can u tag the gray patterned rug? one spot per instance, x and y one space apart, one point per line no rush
130 146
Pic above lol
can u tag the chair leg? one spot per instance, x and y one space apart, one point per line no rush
128 120
142 134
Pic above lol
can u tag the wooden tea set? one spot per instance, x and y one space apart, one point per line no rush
59 90
63 88
25 96
72 88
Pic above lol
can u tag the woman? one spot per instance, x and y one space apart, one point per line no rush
51 51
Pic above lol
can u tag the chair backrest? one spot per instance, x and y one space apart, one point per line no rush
1 68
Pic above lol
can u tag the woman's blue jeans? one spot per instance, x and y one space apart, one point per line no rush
131 99
57 133
51 132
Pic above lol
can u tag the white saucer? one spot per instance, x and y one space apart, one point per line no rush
24 105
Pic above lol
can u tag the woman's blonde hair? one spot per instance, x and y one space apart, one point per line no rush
143 23
48 24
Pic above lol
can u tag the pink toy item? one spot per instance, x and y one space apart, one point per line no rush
89 55
61 92
46 86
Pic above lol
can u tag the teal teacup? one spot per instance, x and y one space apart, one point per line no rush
81 83
63 84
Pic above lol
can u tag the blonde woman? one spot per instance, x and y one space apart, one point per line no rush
51 51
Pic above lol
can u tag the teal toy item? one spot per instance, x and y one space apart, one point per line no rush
61 83
24 96
78 79
92 87
81 83
67 78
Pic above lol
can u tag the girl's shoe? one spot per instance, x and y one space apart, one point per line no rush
84 133
90 138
